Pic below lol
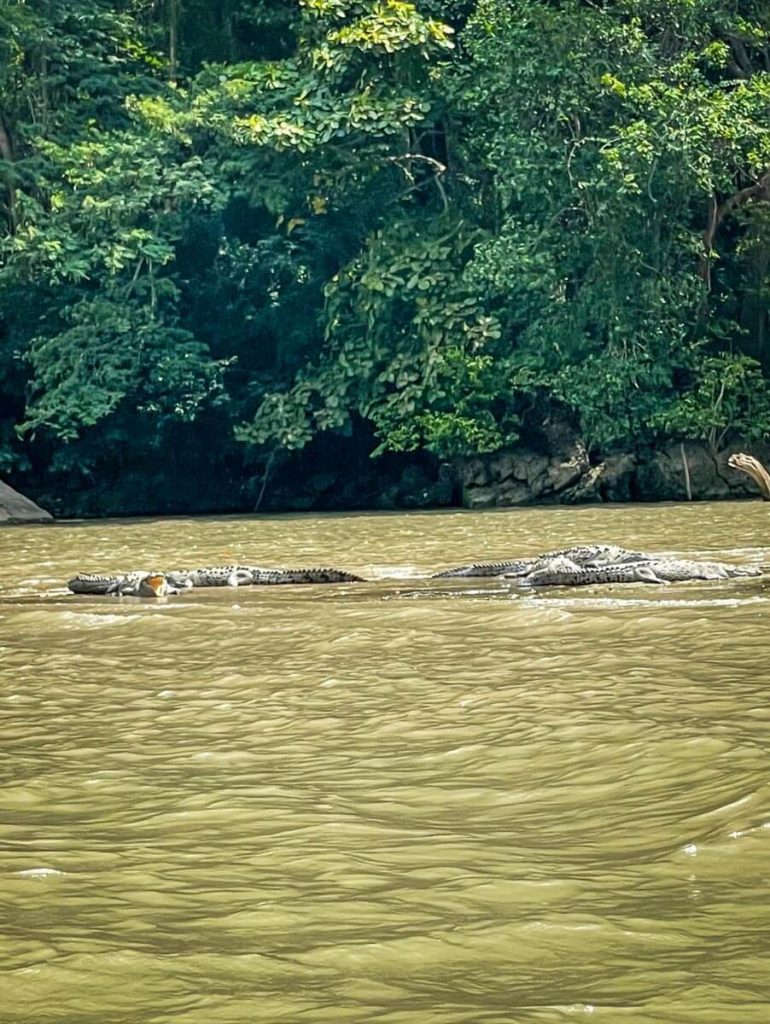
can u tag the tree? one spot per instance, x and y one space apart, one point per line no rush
621 148
232 228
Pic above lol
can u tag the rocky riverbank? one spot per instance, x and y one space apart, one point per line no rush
559 472
565 475
569 476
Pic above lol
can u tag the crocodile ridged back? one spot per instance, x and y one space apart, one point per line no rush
580 554
564 572
256 575
268 577
95 583
519 567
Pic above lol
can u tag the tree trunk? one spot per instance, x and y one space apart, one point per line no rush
226 14
7 155
174 13
686 467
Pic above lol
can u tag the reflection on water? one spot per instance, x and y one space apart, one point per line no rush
409 801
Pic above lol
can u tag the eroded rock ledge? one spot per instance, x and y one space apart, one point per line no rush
570 477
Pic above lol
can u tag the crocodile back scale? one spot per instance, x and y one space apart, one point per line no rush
255 575
581 554
261 577
213 576
94 583
519 567
561 572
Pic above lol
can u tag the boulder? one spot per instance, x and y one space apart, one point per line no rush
521 477
473 472
531 468
480 497
15 508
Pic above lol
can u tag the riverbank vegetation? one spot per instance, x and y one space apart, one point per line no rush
244 237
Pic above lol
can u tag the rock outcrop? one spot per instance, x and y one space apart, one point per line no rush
15 508
569 476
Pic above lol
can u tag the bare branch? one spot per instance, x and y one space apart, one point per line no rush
752 467
403 161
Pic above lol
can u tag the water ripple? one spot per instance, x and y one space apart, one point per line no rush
411 802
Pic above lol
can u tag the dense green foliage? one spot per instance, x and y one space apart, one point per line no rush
231 230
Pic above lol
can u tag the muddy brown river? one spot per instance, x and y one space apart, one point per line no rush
401 802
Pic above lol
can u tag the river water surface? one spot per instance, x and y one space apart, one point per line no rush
405 802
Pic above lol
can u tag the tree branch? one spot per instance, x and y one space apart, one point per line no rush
439 168
718 211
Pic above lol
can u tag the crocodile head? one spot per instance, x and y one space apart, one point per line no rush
156 584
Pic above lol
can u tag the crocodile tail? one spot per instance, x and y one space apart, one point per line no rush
742 570
267 577
326 575
518 568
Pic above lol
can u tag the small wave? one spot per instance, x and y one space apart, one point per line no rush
97 619
394 572
641 602
439 593
39 872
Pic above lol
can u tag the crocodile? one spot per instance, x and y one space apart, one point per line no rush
144 584
576 566
129 584
254 575
561 571
582 554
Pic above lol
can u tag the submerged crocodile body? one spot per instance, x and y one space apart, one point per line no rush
582 554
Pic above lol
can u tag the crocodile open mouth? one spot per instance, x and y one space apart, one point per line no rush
156 584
